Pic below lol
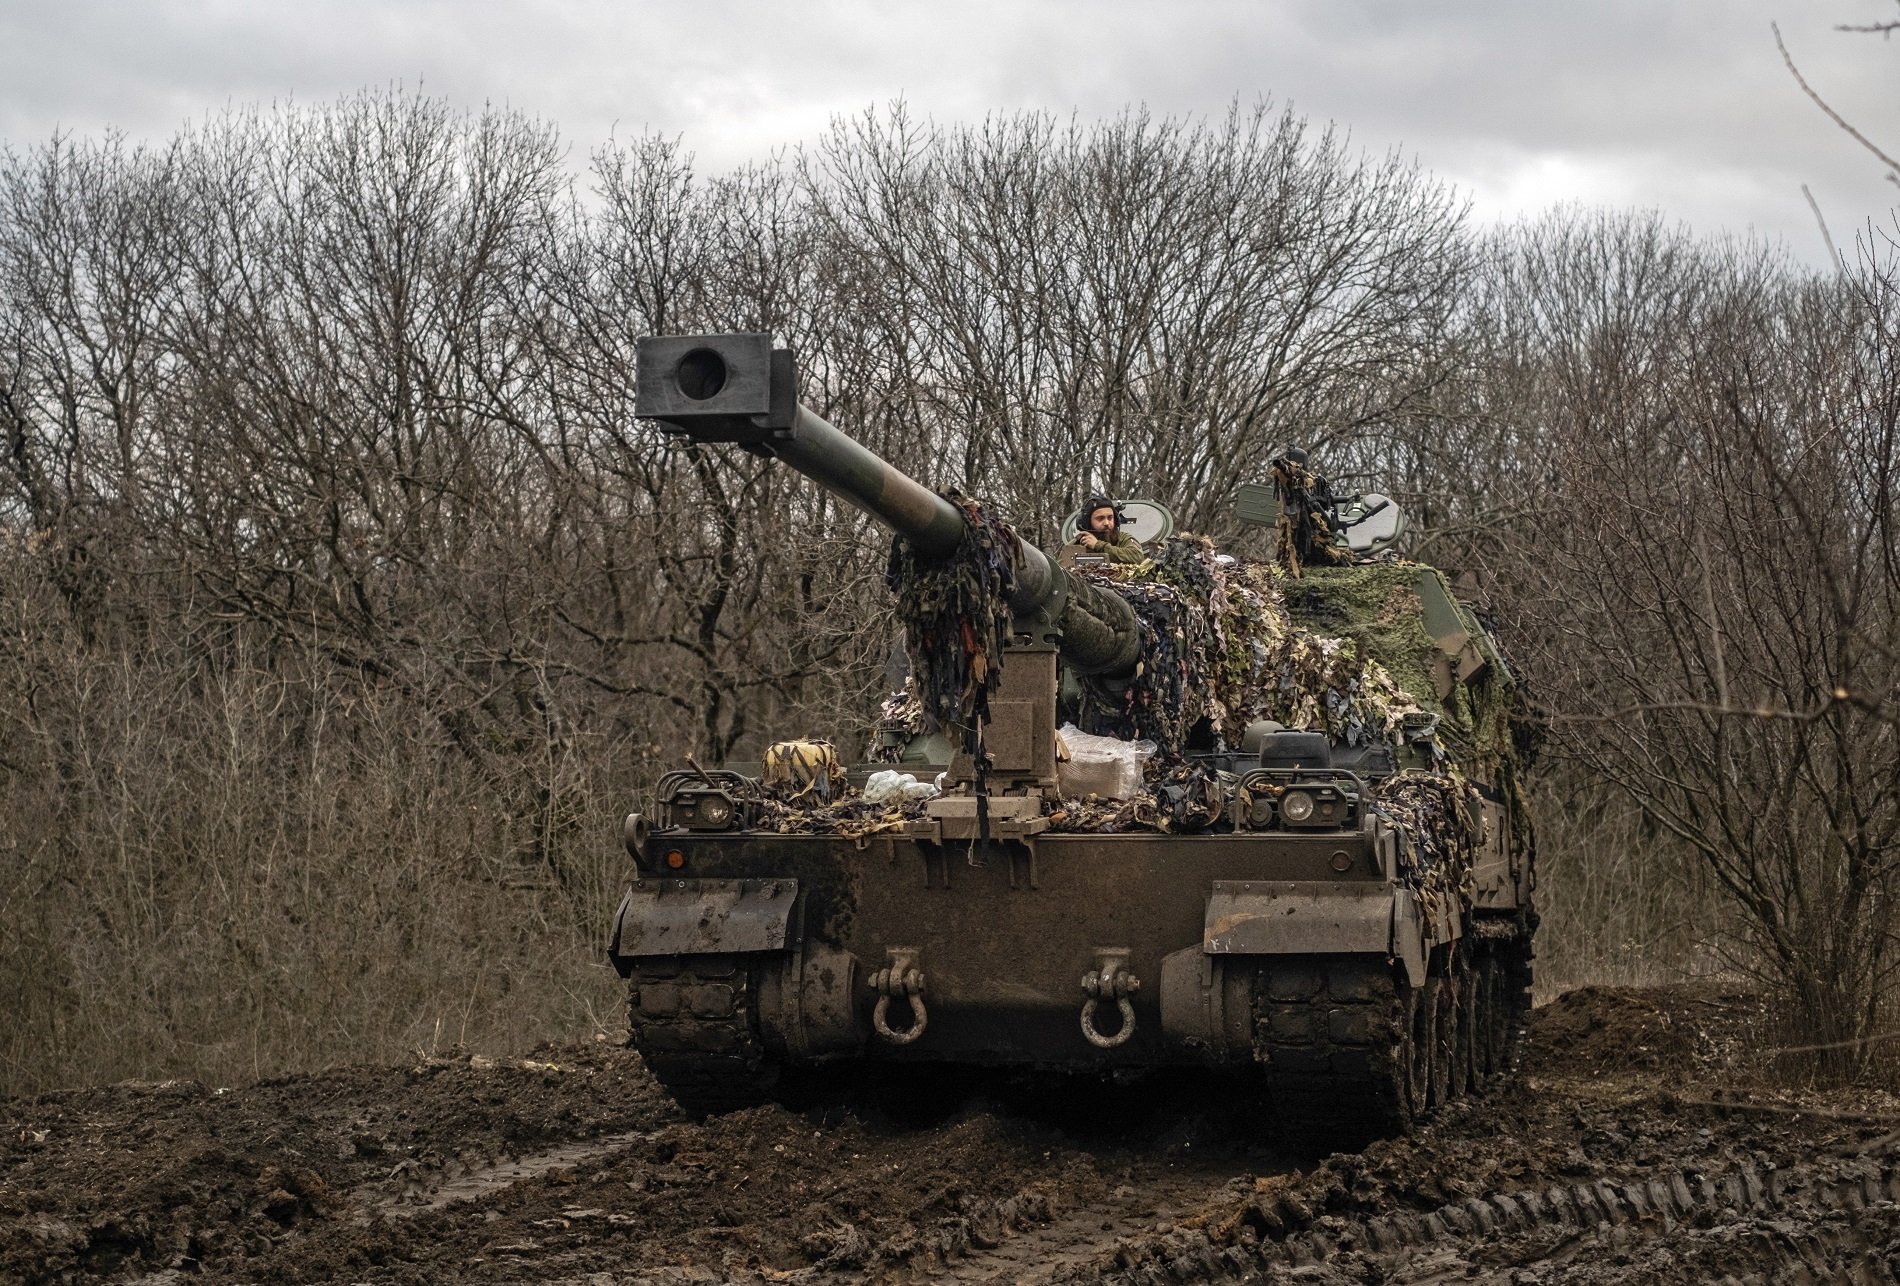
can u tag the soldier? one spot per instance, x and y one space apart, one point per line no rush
1101 533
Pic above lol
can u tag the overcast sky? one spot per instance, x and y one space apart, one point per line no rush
1679 106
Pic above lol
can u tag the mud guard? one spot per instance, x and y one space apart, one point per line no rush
661 917
1288 917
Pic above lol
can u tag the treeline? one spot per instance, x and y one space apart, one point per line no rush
346 605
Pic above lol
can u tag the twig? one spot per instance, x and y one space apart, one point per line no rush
1841 697
1833 252
1891 164
1715 625
1838 1044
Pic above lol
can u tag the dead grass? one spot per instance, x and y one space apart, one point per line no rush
1620 907
228 875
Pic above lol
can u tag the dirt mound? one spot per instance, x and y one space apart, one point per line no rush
569 1163
1693 1028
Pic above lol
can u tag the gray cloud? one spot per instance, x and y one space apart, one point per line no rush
1682 108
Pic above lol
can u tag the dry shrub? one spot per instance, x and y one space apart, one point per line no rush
1621 905
218 872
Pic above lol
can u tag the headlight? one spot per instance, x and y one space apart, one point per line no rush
704 810
1296 806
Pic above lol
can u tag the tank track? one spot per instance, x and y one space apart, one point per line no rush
1841 1215
691 1018
1351 1051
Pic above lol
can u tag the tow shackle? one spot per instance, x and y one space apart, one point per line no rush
901 977
1109 980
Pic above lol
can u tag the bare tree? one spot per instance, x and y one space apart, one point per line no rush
1147 306
1708 582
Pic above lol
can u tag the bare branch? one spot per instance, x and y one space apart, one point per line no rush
1892 165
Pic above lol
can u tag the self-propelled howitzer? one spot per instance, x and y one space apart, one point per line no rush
1339 908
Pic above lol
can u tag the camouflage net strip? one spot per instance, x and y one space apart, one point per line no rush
851 819
804 791
955 613
1327 684
1438 842
1308 510
900 719
1163 702
1183 799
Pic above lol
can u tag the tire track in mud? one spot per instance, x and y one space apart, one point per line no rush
1014 1196
1078 1237
420 1191
1036 1232
1818 1222
1028 1239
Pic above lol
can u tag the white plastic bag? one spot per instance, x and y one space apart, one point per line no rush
1106 767
888 786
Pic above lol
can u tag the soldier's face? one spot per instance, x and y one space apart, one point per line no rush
1102 522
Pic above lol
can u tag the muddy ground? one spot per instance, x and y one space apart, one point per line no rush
1640 1143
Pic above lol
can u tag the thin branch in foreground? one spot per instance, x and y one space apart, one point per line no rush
1833 252
1840 696
1855 1043
1892 165
1783 1109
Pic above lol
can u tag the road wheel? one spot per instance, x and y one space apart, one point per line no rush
1441 1018
1416 1051
1467 1070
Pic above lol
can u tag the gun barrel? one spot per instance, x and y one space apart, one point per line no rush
739 389
847 468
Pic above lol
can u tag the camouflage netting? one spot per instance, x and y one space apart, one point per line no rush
803 789
955 613
847 819
1341 649
1438 838
1183 799
1165 700
1219 651
1308 510
900 719
1484 726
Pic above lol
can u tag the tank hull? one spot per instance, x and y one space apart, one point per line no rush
1003 941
